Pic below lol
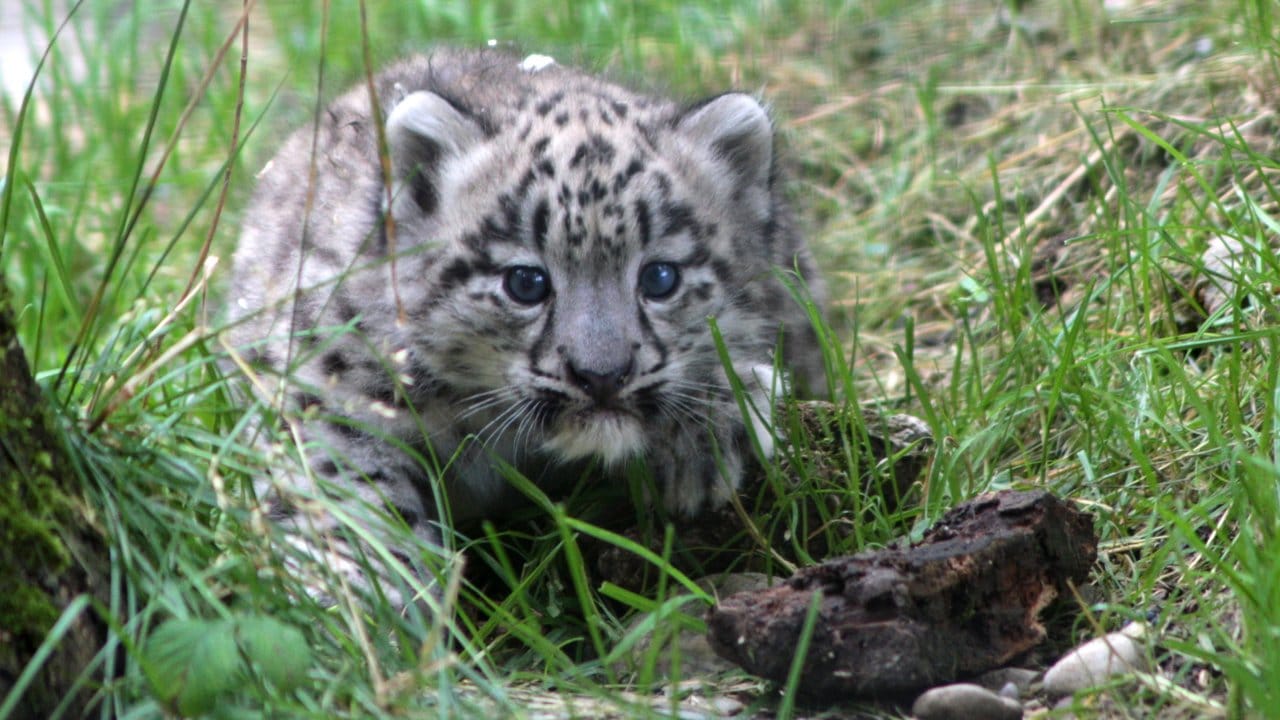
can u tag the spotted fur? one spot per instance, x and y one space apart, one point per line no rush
507 291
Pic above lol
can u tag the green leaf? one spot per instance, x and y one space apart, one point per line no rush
192 663
279 650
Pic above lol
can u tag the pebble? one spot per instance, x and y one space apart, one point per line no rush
1098 660
965 701
1000 679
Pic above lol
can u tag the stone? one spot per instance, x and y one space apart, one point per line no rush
1097 661
965 701
1001 678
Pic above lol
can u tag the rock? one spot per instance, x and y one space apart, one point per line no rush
1096 661
1001 678
965 701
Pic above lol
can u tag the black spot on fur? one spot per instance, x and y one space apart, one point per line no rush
302 400
646 328
259 357
384 391
497 229
333 363
348 431
540 147
304 319
594 150
604 149
526 182
562 118
509 205
541 218
643 222
700 256
549 104
622 179
721 268
770 233
540 346
677 218
456 273
427 154
664 184
346 310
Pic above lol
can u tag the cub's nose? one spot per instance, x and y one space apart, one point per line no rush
602 387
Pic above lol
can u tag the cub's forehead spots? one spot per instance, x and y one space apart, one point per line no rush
586 189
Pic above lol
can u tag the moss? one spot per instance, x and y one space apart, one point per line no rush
32 503
30 507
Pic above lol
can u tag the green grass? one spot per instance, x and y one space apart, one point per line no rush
1012 207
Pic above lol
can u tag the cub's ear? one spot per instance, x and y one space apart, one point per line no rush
738 131
424 131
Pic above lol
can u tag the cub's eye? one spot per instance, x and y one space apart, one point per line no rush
659 279
526 284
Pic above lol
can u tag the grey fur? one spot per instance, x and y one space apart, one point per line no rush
495 166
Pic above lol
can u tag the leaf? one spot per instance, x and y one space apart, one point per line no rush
192 662
279 650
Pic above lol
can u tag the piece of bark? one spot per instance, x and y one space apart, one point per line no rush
962 601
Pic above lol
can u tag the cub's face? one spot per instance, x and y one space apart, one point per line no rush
565 268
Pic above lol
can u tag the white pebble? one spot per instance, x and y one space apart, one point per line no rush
965 701
1096 661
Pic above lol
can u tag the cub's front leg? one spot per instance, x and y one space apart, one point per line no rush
356 510
700 469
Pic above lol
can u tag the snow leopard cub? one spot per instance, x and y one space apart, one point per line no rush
531 282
